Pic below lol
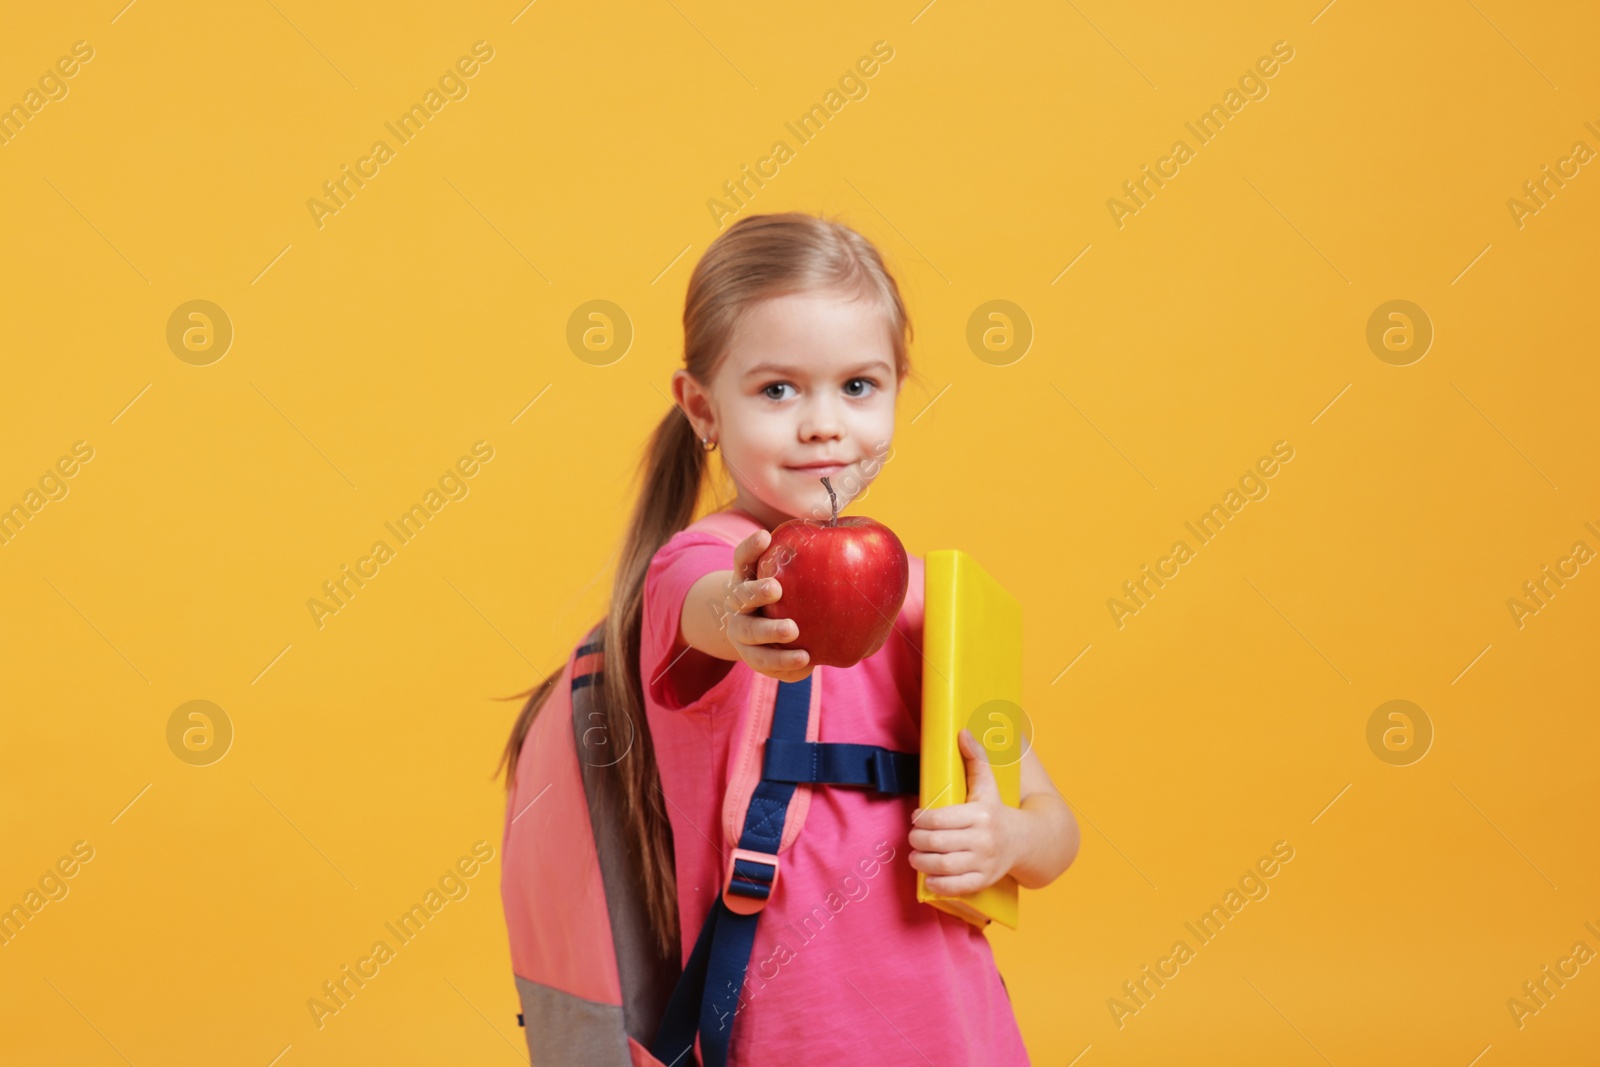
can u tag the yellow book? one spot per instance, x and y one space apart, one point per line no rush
972 678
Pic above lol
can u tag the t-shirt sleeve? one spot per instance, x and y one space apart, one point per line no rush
676 676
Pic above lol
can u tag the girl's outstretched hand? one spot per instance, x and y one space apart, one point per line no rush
969 846
748 632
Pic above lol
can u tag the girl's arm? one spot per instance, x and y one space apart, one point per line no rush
966 847
718 616
1048 835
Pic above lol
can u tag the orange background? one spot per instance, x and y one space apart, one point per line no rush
368 354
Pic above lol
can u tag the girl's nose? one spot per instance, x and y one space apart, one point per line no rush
820 418
820 423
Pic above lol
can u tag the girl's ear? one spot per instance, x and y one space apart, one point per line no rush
691 399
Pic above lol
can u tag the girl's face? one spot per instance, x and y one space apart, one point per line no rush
807 389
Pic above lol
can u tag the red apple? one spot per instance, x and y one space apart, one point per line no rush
843 583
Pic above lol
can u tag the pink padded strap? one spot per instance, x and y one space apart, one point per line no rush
744 759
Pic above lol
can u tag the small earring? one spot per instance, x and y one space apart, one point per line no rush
708 444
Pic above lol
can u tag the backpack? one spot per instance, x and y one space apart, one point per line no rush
593 988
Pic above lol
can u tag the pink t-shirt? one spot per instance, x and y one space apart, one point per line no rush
848 968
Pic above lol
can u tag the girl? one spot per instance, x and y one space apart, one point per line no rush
795 345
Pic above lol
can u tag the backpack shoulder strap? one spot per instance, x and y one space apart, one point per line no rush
746 762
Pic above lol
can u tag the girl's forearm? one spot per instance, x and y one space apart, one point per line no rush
1045 840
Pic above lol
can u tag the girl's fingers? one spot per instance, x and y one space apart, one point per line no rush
759 630
950 817
748 551
923 840
945 862
752 594
957 885
773 660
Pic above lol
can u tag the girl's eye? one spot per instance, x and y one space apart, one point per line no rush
856 388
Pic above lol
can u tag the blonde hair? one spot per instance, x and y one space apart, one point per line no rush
758 257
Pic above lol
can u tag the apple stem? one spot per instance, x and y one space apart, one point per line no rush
833 503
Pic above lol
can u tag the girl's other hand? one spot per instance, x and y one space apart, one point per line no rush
965 847
748 632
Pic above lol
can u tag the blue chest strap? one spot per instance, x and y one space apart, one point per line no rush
837 763
706 997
